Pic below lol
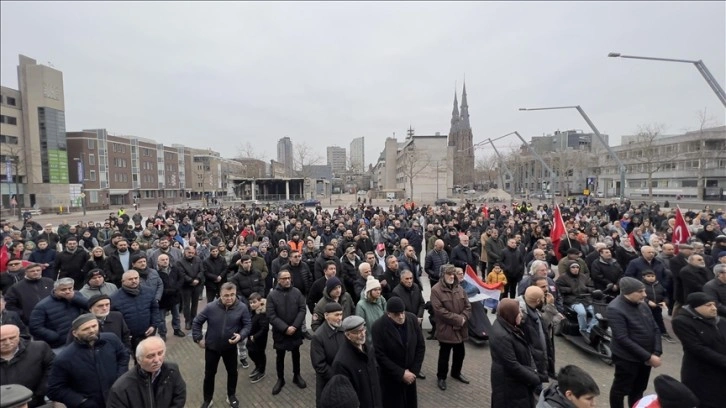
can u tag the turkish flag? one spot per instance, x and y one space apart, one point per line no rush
485 213
680 230
558 230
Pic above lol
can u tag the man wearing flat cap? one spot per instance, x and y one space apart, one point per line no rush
84 372
356 360
636 344
399 346
15 396
326 342
703 337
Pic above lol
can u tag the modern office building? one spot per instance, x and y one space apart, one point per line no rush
285 156
337 159
357 155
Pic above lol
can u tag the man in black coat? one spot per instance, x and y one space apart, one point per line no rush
325 344
109 321
703 337
513 265
694 275
716 288
356 360
164 379
70 262
675 264
170 299
636 343
462 256
24 295
317 288
327 254
400 349
286 311
411 294
192 274
24 362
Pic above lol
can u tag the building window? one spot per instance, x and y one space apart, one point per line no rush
689 183
92 176
91 159
8 139
10 101
10 120
91 144
93 196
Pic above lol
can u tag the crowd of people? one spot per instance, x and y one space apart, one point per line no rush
359 273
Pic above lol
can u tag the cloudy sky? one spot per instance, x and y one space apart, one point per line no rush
222 74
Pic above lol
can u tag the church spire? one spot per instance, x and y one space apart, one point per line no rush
455 114
464 109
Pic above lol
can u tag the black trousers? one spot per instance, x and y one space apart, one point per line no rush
190 301
212 290
631 380
258 356
280 362
211 362
458 360
510 290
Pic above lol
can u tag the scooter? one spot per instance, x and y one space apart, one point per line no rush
600 336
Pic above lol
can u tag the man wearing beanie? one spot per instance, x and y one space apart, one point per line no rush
96 284
356 360
334 293
325 345
636 344
84 372
109 321
399 345
703 336
338 393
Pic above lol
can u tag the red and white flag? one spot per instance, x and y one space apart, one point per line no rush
680 230
486 290
558 230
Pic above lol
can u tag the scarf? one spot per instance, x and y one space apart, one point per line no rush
131 291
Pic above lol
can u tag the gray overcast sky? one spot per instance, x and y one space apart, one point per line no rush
220 74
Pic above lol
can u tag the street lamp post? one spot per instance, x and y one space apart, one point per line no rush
621 165
699 65
82 180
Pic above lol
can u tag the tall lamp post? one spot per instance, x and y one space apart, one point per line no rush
621 165
699 65
82 180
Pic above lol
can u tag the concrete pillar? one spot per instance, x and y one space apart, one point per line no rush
287 189
254 194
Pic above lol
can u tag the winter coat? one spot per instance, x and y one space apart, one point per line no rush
114 268
349 273
29 367
23 296
655 292
45 256
323 348
462 257
320 265
285 308
105 289
434 260
637 266
140 311
248 282
542 348
191 270
70 265
551 397
222 323
494 248
703 368
717 290
513 373
575 288
319 311
51 319
134 389
394 356
172 282
362 371
213 268
692 279
513 264
302 279
260 328
370 312
150 277
604 273
635 335
412 298
450 305
82 371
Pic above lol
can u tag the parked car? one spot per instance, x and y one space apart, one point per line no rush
310 203
472 191
442 201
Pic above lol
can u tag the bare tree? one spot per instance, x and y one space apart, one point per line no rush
303 157
646 152
247 151
413 162
567 165
486 170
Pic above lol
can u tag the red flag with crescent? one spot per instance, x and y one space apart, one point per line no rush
680 230
558 230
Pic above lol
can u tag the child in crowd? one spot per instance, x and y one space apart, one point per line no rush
257 341
497 276
655 299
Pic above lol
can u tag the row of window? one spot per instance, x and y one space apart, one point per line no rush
119 162
8 100
10 120
120 177
9 139
118 147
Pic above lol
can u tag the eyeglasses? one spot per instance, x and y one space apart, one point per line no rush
282 279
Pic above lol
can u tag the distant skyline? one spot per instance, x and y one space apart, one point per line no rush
219 75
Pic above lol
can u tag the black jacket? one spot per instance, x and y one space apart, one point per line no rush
394 356
703 367
52 318
248 282
603 273
462 256
323 347
362 371
316 293
692 279
412 298
302 279
635 335
23 296
259 329
432 263
70 265
514 376
513 264
717 290
222 323
114 268
29 367
191 270
134 389
139 311
214 267
173 282
285 308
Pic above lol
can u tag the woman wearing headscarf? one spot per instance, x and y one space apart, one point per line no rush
514 376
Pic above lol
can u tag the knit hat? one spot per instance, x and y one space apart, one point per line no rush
371 284
95 272
673 394
80 320
647 272
15 395
352 323
136 257
720 254
331 284
338 393
697 299
629 285
252 249
95 299
333 307
395 305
